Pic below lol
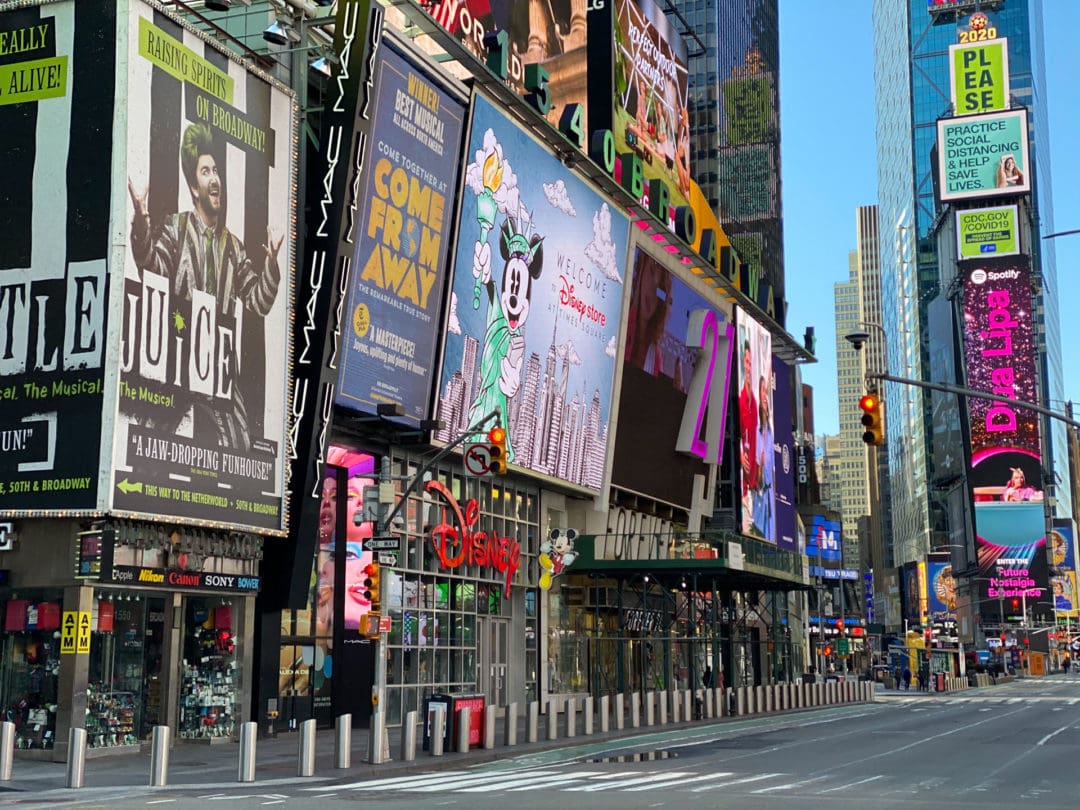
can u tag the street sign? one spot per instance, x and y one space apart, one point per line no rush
383 544
477 459
387 558
843 646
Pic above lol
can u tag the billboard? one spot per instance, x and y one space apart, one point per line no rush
913 591
203 360
983 155
756 457
979 76
1010 539
402 245
535 304
940 590
999 354
948 438
1063 568
984 232
56 109
823 541
784 463
662 357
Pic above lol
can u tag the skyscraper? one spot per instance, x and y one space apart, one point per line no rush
911 46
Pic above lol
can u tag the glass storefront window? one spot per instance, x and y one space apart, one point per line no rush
210 676
30 666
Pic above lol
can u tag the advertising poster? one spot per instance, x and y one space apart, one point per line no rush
756 438
983 156
651 80
402 244
203 346
1010 539
784 457
658 371
535 305
979 76
941 590
912 593
551 34
1063 568
55 153
823 542
986 232
999 353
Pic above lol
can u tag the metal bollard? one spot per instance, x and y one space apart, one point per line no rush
76 764
650 708
688 705
770 699
662 702
159 756
7 750
343 741
708 704
464 721
408 737
571 717
674 705
305 765
532 733
740 701
635 710
605 719
246 771
510 728
489 726
438 730
553 719
721 699
588 711
620 717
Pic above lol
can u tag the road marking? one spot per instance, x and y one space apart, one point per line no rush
1044 740
790 785
742 781
625 782
471 781
853 784
374 783
161 801
530 782
662 784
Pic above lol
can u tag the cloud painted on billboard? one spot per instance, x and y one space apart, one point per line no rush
54 228
203 354
999 353
535 304
402 249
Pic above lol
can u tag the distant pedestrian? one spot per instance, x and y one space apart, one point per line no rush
905 678
706 678
924 680
1065 663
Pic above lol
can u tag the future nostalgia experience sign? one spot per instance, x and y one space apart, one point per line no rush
202 362
55 158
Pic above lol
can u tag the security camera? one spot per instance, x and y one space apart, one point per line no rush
857 339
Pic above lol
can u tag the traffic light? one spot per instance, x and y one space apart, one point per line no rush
370 585
827 651
497 450
870 405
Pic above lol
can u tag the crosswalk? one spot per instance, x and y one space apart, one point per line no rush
574 779
987 700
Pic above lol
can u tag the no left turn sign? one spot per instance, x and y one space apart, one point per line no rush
477 459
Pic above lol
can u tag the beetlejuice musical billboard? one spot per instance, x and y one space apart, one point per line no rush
535 304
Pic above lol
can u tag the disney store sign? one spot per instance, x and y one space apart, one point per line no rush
459 543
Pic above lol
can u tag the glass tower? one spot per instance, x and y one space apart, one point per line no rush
912 88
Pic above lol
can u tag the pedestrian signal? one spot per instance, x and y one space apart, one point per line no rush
870 405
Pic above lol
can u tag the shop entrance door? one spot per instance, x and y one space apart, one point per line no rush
491 656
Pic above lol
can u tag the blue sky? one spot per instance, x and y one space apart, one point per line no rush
828 163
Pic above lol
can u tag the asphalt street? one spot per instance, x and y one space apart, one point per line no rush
1011 745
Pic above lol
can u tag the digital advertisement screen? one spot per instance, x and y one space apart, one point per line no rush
983 155
784 458
658 372
1011 544
987 232
56 112
941 590
1063 568
535 305
402 244
204 351
913 592
651 118
823 542
999 353
979 76
756 438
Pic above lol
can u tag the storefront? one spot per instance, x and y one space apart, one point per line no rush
145 629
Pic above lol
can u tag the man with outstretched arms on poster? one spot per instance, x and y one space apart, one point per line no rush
195 251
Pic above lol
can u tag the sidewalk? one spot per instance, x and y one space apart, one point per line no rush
217 766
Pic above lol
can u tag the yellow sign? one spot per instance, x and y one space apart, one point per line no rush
67 632
82 644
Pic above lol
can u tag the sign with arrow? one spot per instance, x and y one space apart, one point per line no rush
477 459
383 544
